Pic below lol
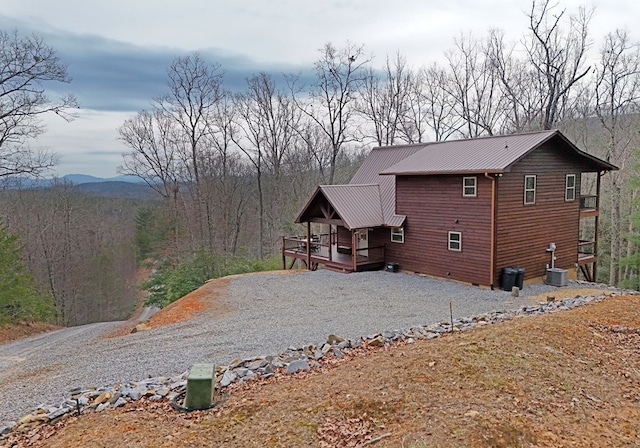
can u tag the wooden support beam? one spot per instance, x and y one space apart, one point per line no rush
284 258
308 245
354 252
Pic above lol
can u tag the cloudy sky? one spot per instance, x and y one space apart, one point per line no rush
118 50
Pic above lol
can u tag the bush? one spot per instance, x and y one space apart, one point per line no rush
173 280
19 297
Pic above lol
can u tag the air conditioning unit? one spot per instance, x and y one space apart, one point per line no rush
556 277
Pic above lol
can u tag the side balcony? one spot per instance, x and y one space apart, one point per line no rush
589 206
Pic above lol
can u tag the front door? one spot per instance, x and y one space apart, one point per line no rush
362 242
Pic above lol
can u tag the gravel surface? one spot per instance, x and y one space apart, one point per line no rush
269 313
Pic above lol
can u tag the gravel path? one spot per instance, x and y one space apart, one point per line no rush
270 312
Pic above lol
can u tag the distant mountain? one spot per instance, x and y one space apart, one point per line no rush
126 187
117 189
78 179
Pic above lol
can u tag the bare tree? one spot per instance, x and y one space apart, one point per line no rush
519 85
267 128
26 65
152 136
429 105
617 100
557 56
475 87
382 100
339 75
195 87
194 90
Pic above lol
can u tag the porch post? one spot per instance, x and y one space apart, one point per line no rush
284 259
309 245
354 252
329 240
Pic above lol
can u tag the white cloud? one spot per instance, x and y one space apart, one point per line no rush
87 145
118 51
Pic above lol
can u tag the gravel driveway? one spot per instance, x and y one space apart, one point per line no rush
270 312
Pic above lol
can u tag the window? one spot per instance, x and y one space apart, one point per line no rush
397 234
529 189
455 241
570 188
469 186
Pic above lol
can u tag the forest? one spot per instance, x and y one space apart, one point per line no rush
230 170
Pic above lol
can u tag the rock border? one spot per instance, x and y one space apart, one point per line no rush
291 361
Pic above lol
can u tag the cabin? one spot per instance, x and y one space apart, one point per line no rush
462 210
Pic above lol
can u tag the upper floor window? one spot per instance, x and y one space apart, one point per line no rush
469 186
530 189
570 188
455 241
397 234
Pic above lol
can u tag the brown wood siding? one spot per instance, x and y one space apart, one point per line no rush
344 237
434 205
525 231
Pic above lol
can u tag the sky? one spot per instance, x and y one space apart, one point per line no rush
118 51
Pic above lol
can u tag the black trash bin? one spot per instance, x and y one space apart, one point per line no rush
519 278
509 276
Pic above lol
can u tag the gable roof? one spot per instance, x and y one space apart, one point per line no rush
484 155
357 205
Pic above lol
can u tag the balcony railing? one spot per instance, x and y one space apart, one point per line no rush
588 202
586 247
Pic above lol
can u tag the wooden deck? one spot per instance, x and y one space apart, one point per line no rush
341 262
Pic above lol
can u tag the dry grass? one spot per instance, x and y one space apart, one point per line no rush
565 379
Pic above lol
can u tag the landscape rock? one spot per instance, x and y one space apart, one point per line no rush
7 429
298 365
228 377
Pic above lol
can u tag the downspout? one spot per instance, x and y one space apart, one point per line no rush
493 230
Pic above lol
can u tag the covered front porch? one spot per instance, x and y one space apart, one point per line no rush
344 230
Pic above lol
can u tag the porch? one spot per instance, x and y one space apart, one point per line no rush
324 250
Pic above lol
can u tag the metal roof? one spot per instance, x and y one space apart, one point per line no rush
377 161
369 200
358 205
481 155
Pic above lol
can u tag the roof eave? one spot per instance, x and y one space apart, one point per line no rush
433 173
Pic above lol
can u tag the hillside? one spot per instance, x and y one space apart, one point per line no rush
564 379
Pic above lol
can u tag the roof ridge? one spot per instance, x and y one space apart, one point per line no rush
465 139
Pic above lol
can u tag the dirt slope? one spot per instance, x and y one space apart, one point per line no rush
560 380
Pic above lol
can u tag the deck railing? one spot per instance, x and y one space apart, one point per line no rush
374 254
588 202
320 248
586 247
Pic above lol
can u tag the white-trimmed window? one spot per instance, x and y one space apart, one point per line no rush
397 234
455 241
570 188
469 186
530 189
